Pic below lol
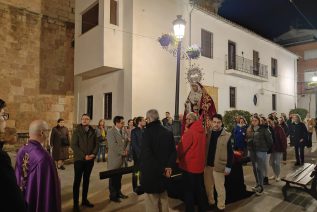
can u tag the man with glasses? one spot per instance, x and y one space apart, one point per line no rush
36 173
85 146
10 193
117 152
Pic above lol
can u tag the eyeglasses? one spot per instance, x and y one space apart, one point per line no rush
5 116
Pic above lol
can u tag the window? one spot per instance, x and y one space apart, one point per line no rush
231 55
273 102
89 19
108 106
310 54
206 43
114 12
232 95
256 63
90 102
274 67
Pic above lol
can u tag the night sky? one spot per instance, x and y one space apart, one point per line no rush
270 18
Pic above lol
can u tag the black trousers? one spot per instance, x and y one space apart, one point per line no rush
193 185
136 169
115 186
83 170
299 152
309 141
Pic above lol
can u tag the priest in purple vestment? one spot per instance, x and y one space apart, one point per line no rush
36 172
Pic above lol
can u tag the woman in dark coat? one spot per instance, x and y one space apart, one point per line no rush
279 146
298 136
59 140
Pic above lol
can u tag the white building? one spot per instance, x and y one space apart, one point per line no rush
120 61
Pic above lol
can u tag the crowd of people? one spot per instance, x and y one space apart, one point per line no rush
203 156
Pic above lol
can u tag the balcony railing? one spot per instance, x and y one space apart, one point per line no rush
245 65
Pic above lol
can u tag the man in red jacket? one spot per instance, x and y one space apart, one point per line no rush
191 153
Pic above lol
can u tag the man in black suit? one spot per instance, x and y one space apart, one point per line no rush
10 194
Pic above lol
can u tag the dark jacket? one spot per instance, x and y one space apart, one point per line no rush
136 139
84 143
58 140
260 139
239 133
285 128
11 198
280 142
298 132
157 153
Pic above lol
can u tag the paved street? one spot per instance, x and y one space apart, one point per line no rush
271 200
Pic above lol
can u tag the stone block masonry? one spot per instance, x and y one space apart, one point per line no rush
37 60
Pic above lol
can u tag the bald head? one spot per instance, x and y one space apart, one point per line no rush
38 130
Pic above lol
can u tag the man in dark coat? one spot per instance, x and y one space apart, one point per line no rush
11 197
85 146
59 140
158 157
298 136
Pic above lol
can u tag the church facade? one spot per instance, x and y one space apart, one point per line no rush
122 69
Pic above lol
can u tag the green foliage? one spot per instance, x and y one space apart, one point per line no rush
229 118
301 112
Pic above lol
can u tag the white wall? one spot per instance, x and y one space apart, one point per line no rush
214 69
88 48
148 76
308 101
97 86
113 36
154 69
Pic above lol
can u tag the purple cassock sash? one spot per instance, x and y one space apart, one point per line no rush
37 177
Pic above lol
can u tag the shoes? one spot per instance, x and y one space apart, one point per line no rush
115 200
297 164
76 208
266 181
87 204
272 178
277 179
259 190
122 196
98 160
62 168
103 160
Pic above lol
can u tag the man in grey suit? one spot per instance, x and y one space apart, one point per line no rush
117 151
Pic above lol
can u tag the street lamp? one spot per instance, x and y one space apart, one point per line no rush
179 31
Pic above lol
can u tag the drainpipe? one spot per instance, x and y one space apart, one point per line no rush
190 26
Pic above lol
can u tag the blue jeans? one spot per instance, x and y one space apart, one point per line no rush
275 161
101 151
258 160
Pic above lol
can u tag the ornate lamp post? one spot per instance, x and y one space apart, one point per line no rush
179 31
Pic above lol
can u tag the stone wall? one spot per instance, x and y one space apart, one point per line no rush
37 60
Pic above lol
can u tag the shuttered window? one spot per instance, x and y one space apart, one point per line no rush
206 43
232 94
108 106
